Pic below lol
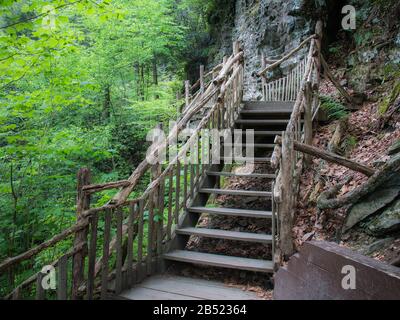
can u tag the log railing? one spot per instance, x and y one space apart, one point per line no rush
193 92
285 88
286 159
112 247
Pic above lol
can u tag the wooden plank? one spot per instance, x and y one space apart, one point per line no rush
202 78
315 273
160 223
216 260
241 175
118 262
183 286
262 122
129 255
106 243
62 278
255 145
177 191
150 233
375 278
249 193
92 255
140 293
185 184
187 93
233 212
229 235
265 133
308 126
191 180
170 190
268 106
285 213
140 233
244 159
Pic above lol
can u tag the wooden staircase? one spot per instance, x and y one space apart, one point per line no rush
267 119
141 244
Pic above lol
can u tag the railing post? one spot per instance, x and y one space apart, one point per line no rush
286 207
156 171
308 126
263 79
187 93
236 50
82 204
202 79
318 42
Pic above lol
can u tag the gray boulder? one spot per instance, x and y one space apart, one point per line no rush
387 222
373 202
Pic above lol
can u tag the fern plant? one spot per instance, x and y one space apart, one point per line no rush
334 109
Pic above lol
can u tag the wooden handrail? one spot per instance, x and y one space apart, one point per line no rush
331 157
44 245
286 57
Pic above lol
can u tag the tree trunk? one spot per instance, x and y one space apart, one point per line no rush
155 77
137 79
380 177
107 103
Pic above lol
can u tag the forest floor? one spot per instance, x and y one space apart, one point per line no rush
370 147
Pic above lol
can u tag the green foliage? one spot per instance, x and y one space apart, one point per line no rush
81 84
334 108
349 143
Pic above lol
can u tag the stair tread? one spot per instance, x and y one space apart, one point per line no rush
233 212
220 260
267 111
268 105
242 175
265 133
261 121
237 192
225 234
255 145
247 159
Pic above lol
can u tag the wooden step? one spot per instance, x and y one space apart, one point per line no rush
265 133
257 112
233 212
261 122
224 234
244 159
221 261
255 145
241 175
248 193
269 105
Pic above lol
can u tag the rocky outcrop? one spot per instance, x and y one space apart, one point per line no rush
262 26
379 211
388 222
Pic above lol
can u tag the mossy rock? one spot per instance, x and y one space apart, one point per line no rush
395 148
373 202
386 103
387 222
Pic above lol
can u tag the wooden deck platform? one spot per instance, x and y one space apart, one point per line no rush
169 287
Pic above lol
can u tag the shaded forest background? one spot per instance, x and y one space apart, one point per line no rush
82 82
